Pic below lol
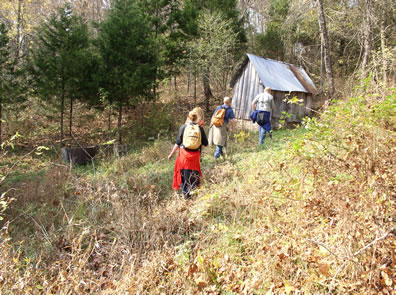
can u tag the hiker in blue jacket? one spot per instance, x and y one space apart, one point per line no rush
264 102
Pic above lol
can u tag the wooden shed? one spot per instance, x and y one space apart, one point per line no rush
285 80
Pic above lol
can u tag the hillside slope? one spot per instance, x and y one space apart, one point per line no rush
312 211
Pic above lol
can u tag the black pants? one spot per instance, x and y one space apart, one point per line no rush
190 179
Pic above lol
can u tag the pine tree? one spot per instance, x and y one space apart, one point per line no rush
164 18
128 56
5 73
60 58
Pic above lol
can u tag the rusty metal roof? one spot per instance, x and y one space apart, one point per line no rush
281 76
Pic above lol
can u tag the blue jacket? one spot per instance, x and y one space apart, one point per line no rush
267 124
253 116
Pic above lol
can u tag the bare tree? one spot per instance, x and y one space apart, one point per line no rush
367 32
326 45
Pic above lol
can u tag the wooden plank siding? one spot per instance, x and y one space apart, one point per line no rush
246 88
248 85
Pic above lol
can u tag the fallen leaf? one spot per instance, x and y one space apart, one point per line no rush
282 256
386 280
200 284
324 269
192 269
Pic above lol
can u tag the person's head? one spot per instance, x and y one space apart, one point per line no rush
199 113
227 101
267 89
192 116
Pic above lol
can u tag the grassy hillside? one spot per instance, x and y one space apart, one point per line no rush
312 211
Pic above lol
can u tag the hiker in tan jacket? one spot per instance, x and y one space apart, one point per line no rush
222 120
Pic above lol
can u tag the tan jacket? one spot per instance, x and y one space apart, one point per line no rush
218 135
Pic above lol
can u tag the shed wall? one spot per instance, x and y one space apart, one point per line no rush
246 88
249 85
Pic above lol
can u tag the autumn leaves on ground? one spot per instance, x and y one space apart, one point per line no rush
312 212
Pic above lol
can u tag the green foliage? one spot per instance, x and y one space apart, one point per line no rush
4 201
10 84
227 9
3 205
128 57
155 122
59 56
4 63
216 36
213 52
270 43
164 17
62 64
242 136
283 119
10 142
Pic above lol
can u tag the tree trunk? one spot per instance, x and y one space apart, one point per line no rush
384 58
188 83
109 120
71 117
195 86
18 33
326 46
394 75
119 124
61 118
207 90
367 37
1 123
321 68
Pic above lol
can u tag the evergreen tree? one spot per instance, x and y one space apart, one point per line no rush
60 59
11 86
5 70
128 56
164 19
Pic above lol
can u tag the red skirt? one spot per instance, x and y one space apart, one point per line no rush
185 160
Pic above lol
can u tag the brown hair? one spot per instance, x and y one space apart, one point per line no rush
199 112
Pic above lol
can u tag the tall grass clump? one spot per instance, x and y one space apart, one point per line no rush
77 231
313 213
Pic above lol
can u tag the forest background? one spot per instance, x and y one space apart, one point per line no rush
101 72
114 60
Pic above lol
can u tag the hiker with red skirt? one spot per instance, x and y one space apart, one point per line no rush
189 141
200 118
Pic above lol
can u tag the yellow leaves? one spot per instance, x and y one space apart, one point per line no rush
200 259
288 287
386 279
323 250
220 227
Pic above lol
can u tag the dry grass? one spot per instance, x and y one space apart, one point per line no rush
296 216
